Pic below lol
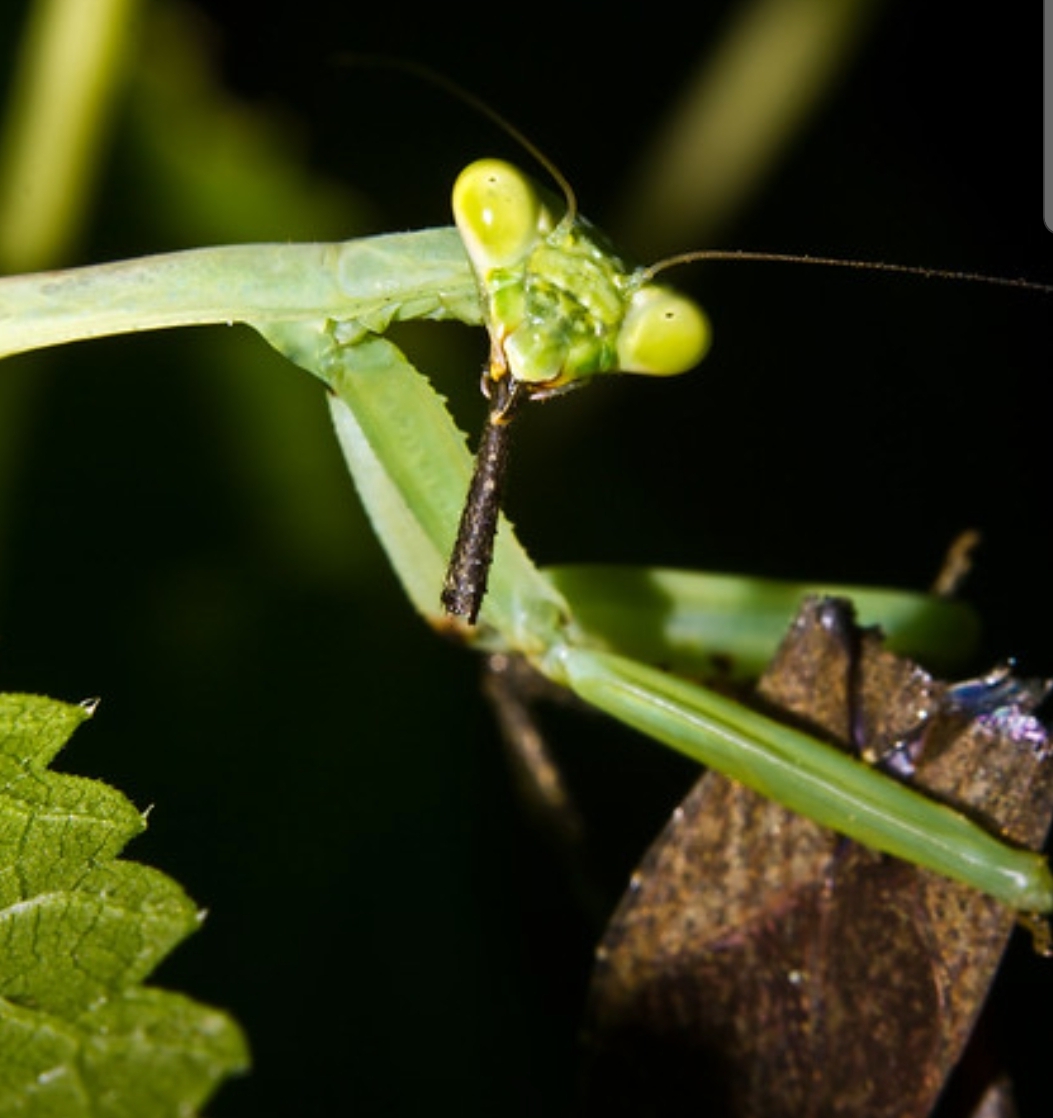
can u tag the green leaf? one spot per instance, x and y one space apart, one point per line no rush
79 931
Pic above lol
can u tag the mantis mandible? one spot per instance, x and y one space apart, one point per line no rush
560 308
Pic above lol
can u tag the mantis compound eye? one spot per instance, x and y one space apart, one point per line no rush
663 333
498 213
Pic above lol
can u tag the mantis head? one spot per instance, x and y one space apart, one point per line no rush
561 307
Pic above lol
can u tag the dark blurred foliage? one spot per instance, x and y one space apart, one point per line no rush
326 779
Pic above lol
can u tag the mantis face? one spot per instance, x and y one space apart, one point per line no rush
560 306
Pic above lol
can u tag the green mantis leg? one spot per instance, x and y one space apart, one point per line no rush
412 475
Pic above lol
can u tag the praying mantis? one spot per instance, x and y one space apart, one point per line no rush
327 309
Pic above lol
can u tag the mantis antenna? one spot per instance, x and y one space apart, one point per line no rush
750 256
459 92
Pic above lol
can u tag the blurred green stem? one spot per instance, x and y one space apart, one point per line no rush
59 109
747 102
60 104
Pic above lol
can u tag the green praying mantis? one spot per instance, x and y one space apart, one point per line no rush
560 309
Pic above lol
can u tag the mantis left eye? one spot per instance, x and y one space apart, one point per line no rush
498 214
663 333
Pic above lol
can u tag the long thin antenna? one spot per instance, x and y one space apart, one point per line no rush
448 85
840 262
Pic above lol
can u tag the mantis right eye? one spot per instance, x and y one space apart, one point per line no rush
498 213
663 333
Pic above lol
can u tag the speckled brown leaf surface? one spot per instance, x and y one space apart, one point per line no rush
762 966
